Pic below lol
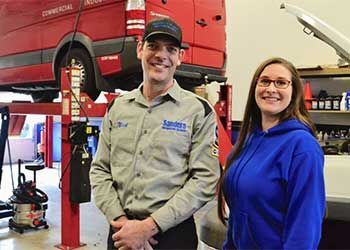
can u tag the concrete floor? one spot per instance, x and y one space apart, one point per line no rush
93 226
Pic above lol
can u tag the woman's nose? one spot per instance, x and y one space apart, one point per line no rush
271 87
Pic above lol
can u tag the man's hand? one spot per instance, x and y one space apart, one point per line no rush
118 223
135 234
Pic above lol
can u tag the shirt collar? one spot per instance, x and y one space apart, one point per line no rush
173 92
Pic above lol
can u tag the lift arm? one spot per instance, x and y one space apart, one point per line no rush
5 120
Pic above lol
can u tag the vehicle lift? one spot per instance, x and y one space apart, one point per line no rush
223 108
70 111
5 207
70 237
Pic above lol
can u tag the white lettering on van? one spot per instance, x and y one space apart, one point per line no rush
109 58
152 13
91 2
57 10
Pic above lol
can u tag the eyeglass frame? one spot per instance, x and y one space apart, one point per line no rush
273 81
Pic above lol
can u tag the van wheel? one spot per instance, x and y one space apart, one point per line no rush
83 62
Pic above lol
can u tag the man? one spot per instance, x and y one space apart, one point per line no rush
156 162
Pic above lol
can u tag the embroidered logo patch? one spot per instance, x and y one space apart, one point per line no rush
121 124
215 142
176 126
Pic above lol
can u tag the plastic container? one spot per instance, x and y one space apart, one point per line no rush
321 103
328 103
343 102
347 104
314 104
336 102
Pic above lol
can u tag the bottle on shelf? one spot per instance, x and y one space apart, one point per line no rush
343 102
325 137
321 103
336 102
328 103
347 104
319 136
314 104
322 95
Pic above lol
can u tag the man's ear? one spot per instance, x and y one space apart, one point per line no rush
139 50
181 56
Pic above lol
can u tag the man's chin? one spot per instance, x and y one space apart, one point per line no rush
158 80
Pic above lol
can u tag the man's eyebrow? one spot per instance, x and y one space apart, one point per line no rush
166 42
171 43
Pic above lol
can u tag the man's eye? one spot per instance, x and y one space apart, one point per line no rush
172 49
151 46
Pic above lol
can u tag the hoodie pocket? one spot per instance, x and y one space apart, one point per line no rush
244 237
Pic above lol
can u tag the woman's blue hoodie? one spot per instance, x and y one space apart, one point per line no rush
275 190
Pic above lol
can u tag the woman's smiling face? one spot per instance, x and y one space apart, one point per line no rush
271 100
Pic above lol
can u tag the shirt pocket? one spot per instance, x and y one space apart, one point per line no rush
122 146
171 148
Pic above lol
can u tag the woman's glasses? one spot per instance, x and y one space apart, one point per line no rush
279 83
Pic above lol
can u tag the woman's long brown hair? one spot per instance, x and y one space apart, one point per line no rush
252 117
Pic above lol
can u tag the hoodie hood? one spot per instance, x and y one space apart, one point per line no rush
284 127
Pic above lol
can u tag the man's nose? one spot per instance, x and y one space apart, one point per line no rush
161 52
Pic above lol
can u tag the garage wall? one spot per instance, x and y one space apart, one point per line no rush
258 29
20 148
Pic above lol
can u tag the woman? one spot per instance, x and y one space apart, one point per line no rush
273 183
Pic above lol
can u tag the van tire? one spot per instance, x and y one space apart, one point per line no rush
82 61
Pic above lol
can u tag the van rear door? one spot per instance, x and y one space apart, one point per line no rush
209 33
180 11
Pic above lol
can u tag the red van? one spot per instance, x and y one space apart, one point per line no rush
35 36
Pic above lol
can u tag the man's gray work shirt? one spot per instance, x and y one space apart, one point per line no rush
157 159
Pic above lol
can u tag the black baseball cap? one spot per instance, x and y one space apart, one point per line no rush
164 26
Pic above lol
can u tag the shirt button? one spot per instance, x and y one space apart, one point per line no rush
145 131
141 152
149 111
138 174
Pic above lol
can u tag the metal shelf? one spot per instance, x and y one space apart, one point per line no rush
329 112
324 71
330 117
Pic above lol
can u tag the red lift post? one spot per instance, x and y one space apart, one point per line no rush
223 109
70 237
70 231
70 224
48 141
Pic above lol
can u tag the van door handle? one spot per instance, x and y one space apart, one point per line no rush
202 22
218 17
